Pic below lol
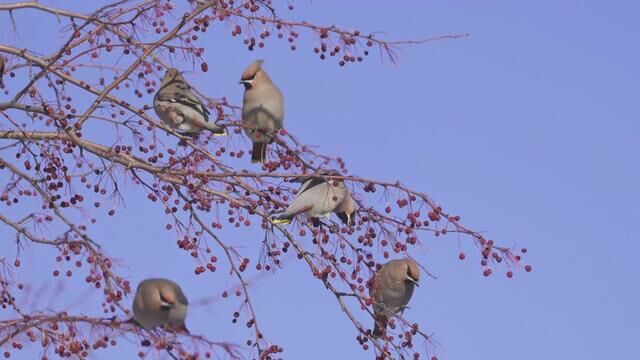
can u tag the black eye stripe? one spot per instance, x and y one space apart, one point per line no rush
409 274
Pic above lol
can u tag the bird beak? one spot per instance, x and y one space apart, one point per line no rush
246 82
346 219
413 280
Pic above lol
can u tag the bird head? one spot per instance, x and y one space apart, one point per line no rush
253 74
347 211
413 272
306 177
329 172
170 75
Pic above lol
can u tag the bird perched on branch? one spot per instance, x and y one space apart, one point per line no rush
176 105
262 109
391 289
318 197
160 302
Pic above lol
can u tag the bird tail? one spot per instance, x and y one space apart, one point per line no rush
133 321
183 329
176 328
259 152
281 220
380 327
187 133
217 130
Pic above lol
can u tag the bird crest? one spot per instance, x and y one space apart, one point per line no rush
251 70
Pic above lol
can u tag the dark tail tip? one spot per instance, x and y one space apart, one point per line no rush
281 220
380 327
218 130
259 152
133 321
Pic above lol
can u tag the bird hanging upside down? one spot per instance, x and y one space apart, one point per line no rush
318 197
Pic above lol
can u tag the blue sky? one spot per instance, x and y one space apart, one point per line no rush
528 128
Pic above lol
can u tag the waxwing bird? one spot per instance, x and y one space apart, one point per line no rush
262 109
176 105
391 288
317 198
160 302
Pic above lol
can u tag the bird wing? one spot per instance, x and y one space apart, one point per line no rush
309 184
177 91
306 198
180 297
317 199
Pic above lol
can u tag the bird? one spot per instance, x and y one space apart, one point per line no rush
176 105
391 289
262 109
1 70
160 302
319 197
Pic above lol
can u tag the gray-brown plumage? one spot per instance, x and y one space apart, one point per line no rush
176 105
318 197
391 289
160 302
262 109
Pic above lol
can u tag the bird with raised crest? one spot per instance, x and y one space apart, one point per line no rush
318 197
262 109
